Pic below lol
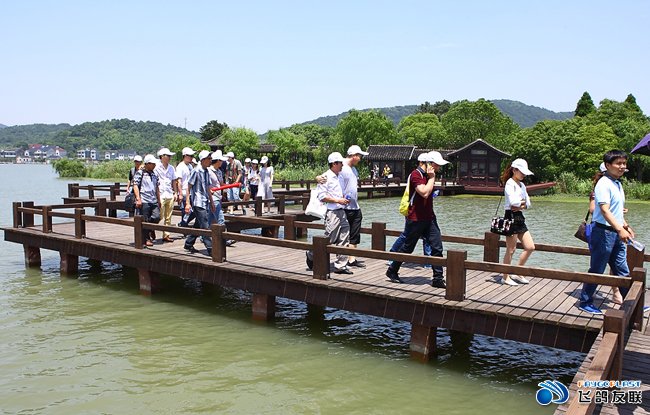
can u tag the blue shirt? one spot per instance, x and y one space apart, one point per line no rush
609 191
200 182
349 180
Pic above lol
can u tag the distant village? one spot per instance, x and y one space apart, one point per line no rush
41 153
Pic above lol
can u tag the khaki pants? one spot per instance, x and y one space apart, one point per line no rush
337 229
166 213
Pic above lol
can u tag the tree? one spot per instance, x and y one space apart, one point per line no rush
440 108
467 121
365 128
423 130
241 141
425 108
632 105
289 146
213 129
585 105
314 134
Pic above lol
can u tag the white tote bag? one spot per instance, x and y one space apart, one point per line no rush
315 206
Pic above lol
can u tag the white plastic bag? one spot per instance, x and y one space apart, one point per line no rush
315 206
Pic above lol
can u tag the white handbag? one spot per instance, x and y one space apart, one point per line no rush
315 206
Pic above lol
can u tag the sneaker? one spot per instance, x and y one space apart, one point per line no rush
590 308
519 279
357 264
230 242
646 308
344 271
438 283
393 276
310 262
509 281
190 249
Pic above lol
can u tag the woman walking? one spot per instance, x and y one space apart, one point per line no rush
254 178
517 200
266 182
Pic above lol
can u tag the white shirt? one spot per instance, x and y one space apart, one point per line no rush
515 194
165 178
349 179
332 189
183 172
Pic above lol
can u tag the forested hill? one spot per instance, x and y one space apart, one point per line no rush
520 113
142 136
3 126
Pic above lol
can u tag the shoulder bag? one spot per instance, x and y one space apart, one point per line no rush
316 207
584 230
499 224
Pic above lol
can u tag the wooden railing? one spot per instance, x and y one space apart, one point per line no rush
456 261
302 184
113 190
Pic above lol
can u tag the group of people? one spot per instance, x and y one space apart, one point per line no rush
199 186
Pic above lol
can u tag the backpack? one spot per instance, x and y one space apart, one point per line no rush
406 201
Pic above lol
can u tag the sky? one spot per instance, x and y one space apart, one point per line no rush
269 64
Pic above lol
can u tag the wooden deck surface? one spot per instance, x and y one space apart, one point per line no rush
543 300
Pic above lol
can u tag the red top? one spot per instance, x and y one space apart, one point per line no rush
421 209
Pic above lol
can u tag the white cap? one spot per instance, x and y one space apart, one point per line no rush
424 157
436 157
602 167
522 166
218 155
255 161
335 157
248 160
149 158
355 149
230 154
195 161
204 154
188 151
165 152
137 158
264 160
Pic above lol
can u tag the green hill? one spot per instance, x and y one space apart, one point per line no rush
142 136
520 113
3 126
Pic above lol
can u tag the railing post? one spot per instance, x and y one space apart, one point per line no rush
137 232
634 258
75 190
100 210
305 200
308 184
70 189
18 216
456 275
91 191
79 223
28 218
290 227
321 257
218 243
47 219
614 322
287 185
636 320
117 190
258 206
281 201
491 247
378 236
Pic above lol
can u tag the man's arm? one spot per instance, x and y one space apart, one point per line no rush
425 190
624 231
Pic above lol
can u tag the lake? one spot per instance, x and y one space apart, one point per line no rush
92 344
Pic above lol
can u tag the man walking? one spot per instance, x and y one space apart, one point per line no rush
183 171
421 220
349 179
337 228
611 233
168 185
233 175
200 200
147 195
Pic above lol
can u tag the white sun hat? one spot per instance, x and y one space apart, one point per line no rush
355 149
150 158
335 157
165 152
522 166
436 157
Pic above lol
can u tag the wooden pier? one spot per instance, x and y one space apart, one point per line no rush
542 313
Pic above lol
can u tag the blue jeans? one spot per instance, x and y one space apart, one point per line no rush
606 248
413 231
217 215
201 222
233 194
186 218
426 248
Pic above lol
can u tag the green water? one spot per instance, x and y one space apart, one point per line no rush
93 345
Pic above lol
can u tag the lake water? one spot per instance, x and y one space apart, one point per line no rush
93 345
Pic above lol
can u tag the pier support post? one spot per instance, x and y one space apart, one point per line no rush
218 243
69 264
32 256
491 247
263 307
258 206
281 204
423 342
147 281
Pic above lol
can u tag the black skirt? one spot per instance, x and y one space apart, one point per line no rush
519 222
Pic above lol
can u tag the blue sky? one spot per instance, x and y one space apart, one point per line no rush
269 64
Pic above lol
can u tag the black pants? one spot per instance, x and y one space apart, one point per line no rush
421 229
354 219
151 214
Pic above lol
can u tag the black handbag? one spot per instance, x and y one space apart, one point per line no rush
501 225
584 230
129 202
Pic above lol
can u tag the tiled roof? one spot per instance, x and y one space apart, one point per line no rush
389 152
475 143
